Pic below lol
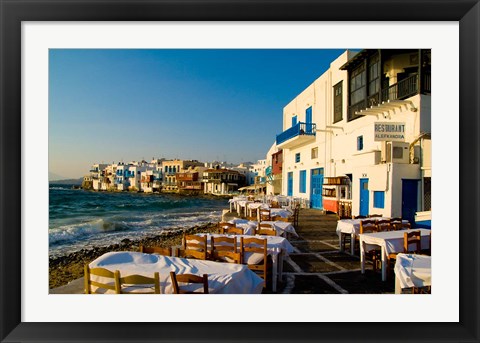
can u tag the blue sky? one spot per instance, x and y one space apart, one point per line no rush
108 105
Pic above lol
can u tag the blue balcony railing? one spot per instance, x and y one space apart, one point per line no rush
299 129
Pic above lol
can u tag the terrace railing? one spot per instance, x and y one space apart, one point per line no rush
299 129
401 90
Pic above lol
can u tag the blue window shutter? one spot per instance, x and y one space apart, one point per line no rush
378 199
294 121
297 157
360 143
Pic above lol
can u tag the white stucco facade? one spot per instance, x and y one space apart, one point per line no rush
346 147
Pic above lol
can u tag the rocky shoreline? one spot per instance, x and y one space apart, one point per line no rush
67 268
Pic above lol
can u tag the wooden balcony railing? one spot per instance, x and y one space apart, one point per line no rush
399 91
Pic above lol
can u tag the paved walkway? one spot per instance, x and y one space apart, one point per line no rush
317 266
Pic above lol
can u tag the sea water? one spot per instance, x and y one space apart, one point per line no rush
82 219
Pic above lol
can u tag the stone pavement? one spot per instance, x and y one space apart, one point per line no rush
317 266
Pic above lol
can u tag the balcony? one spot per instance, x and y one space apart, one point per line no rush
187 176
299 134
392 97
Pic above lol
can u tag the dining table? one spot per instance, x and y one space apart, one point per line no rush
277 248
249 226
352 227
281 227
412 270
281 212
390 242
223 278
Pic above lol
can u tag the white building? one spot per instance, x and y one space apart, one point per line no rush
97 173
170 170
363 127
133 175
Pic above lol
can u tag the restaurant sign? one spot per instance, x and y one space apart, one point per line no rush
394 132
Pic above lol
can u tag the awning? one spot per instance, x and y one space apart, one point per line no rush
252 187
387 106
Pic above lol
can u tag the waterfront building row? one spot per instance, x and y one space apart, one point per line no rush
173 176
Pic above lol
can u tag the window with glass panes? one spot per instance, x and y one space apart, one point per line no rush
357 85
374 75
337 102
314 153
297 157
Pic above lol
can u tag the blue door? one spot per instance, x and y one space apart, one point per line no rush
308 120
316 188
290 184
409 199
364 197
294 121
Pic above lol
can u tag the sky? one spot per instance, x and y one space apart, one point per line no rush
109 105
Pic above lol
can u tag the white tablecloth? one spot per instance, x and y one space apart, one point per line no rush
275 244
281 227
280 212
247 225
352 227
413 270
224 278
390 242
277 248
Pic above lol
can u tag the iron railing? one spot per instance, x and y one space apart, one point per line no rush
299 129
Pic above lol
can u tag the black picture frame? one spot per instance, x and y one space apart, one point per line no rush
466 12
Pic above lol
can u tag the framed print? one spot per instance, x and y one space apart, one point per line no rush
32 33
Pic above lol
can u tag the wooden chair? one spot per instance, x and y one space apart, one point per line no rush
224 225
296 214
234 231
188 278
383 225
409 238
137 284
367 226
224 249
401 226
274 204
113 285
194 247
412 238
264 215
395 220
156 250
265 229
375 216
370 226
429 250
255 246
359 217
253 214
281 219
